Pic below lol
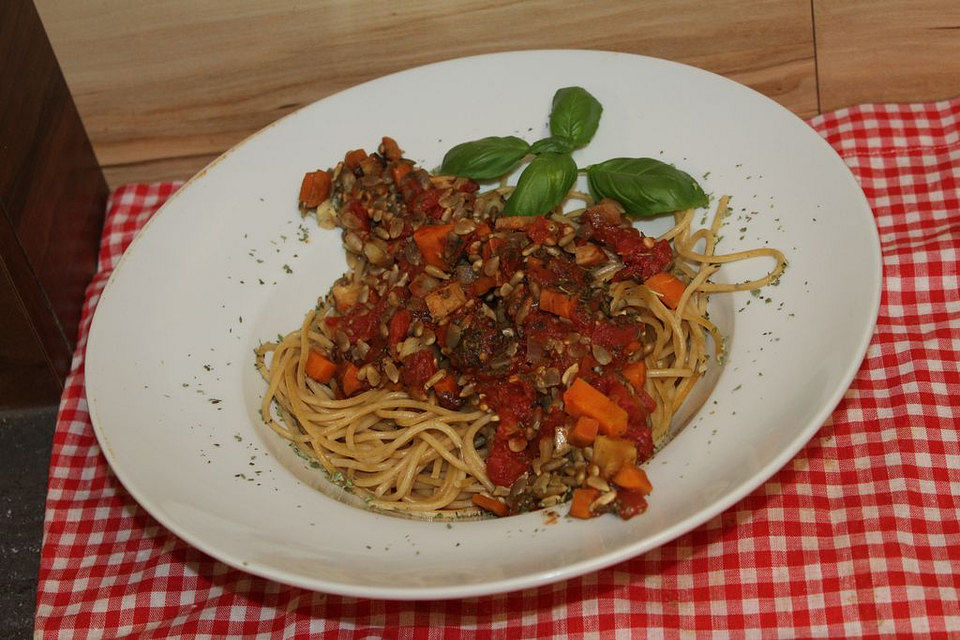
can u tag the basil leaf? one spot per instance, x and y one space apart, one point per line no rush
486 158
575 115
556 145
542 185
644 186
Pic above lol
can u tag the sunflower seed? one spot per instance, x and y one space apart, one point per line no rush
396 228
605 499
601 355
353 242
453 336
377 255
382 233
524 311
569 375
436 273
408 347
598 483
391 371
491 266
362 349
434 379
530 250
463 226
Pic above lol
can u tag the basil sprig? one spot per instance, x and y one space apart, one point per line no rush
644 186
542 185
485 159
575 115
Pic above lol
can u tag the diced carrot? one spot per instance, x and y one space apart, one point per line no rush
636 373
557 303
494 506
633 479
633 346
584 432
483 284
349 382
612 454
668 286
318 367
445 300
581 399
431 239
582 499
354 158
314 189
390 148
447 384
588 255
400 171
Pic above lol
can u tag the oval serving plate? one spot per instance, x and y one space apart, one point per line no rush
228 262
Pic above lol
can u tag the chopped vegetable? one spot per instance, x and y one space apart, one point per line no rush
445 301
668 287
345 296
400 171
446 384
431 240
399 324
349 382
611 454
633 479
318 367
557 303
589 255
354 158
582 499
390 148
581 399
492 505
483 284
636 373
584 432
314 189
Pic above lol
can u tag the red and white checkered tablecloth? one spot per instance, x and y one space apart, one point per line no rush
858 536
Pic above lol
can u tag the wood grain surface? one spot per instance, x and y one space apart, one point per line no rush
164 87
887 51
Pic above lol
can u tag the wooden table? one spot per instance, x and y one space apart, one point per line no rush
163 88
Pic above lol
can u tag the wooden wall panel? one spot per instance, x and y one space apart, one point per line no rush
52 197
163 87
887 51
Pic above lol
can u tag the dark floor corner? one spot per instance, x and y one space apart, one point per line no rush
25 438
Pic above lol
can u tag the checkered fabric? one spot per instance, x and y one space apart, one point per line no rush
858 536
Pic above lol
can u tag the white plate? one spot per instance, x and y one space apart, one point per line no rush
179 319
